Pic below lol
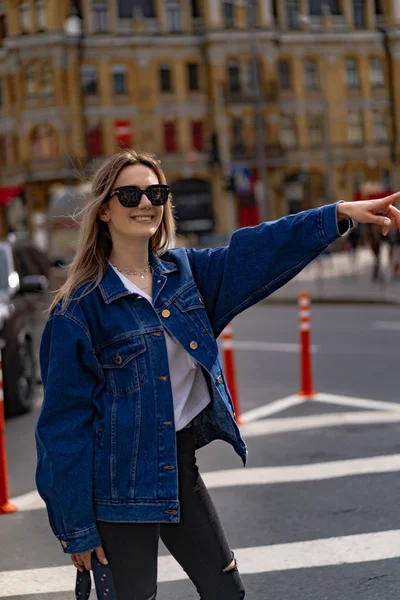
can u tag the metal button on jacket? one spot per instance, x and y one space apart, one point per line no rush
166 313
219 379
193 345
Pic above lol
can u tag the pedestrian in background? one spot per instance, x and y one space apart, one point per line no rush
133 381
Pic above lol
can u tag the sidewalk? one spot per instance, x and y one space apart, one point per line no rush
337 278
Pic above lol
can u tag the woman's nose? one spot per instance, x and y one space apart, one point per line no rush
144 202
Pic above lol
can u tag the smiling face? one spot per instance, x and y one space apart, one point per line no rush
127 223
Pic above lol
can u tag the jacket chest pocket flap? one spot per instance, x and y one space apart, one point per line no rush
191 303
123 364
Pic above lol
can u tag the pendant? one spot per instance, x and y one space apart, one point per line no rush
142 276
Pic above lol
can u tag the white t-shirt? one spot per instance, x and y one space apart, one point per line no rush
189 388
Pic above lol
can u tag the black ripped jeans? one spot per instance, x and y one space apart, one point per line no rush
198 542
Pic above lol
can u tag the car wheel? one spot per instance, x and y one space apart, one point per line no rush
20 391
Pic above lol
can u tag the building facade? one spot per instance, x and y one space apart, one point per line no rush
214 88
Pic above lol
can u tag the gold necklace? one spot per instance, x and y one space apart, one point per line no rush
128 272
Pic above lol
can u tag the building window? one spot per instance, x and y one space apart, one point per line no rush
237 135
352 78
125 9
47 79
380 127
170 144
174 16
378 7
44 142
234 77
193 77
89 80
123 134
3 27
319 8
355 128
4 154
288 133
376 74
316 130
94 138
41 20
165 78
359 14
145 8
195 9
310 75
229 13
25 17
30 80
119 79
285 75
198 135
100 16
292 14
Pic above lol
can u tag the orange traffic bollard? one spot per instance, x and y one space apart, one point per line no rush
230 372
5 504
306 385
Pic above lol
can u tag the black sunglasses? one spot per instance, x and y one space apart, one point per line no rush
130 195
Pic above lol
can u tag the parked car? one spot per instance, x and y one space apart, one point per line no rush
24 280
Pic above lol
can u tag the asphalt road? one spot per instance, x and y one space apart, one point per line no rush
325 529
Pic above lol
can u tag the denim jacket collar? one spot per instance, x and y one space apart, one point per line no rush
112 288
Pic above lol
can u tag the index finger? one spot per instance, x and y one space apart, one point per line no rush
389 199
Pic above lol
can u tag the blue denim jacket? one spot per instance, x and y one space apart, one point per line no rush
105 436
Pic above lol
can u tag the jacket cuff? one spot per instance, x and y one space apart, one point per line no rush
80 541
329 226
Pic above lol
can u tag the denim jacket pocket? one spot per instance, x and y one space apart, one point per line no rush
191 304
123 364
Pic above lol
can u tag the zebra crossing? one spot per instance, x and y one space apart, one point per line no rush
288 513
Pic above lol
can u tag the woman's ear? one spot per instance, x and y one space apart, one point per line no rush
104 213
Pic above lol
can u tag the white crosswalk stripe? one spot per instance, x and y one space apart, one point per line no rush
350 549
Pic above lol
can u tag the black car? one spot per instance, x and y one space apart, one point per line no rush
24 281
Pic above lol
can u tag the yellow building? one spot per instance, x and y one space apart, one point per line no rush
176 77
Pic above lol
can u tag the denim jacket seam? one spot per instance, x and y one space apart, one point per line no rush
81 325
122 337
190 283
77 533
320 226
243 304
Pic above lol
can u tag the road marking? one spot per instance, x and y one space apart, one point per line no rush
387 325
272 426
270 346
358 402
309 472
351 549
271 408
270 475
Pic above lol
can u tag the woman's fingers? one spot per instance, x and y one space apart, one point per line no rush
101 557
77 562
81 561
394 214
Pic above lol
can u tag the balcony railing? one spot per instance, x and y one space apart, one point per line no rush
243 152
269 93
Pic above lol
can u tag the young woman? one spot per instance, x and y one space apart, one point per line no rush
133 380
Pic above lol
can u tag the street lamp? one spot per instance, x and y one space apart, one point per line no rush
73 29
262 191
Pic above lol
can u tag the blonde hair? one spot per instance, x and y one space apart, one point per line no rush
95 244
